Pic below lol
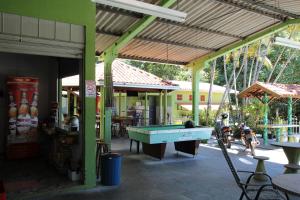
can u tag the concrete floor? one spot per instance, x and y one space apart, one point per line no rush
182 177
31 176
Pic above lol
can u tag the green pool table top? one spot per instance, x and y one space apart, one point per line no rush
168 133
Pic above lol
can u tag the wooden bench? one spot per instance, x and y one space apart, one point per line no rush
260 168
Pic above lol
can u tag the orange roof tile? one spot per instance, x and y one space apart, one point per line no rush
276 90
125 75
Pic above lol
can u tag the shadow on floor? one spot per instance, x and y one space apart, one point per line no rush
26 177
182 177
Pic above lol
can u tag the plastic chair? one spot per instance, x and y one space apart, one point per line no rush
248 188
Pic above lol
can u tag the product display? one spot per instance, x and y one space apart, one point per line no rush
23 109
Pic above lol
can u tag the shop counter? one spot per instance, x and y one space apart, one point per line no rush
63 145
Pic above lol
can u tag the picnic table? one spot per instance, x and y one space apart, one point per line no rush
291 150
287 183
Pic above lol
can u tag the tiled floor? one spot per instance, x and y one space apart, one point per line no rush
178 177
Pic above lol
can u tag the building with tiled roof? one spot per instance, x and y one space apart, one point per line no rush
125 76
203 87
182 99
274 90
131 86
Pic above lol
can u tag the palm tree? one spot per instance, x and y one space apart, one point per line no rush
291 33
212 78
291 56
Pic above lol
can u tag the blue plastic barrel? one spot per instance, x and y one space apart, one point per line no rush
111 169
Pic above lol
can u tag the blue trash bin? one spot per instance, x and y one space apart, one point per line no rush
111 169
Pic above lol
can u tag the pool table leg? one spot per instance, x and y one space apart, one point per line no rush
137 146
190 147
155 150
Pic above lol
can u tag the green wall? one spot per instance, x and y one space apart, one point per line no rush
178 115
80 12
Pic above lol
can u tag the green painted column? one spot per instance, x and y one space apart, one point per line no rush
69 103
125 103
75 104
290 113
165 107
196 95
277 134
109 57
120 104
160 107
266 109
102 121
146 109
89 117
277 122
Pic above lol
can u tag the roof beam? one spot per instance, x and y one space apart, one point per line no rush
169 42
252 9
152 60
198 28
248 40
181 25
113 10
136 28
272 8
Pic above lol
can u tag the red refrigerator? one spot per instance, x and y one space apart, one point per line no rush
22 136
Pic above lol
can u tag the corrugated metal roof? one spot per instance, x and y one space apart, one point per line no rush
290 6
210 25
125 75
157 51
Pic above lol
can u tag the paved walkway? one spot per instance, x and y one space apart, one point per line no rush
182 177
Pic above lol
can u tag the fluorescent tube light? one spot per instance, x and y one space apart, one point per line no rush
145 8
287 42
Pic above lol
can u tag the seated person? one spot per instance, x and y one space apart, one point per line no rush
189 124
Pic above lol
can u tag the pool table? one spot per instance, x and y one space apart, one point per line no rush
155 138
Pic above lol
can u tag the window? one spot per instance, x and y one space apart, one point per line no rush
202 98
179 97
191 97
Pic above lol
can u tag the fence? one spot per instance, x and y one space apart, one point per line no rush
295 122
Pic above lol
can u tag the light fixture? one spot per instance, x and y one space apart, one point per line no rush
287 42
145 8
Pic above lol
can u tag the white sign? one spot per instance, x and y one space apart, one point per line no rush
90 88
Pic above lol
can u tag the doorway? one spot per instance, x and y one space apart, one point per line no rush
152 110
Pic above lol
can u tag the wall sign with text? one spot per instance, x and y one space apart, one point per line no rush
90 88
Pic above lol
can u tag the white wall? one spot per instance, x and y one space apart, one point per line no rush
44 68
